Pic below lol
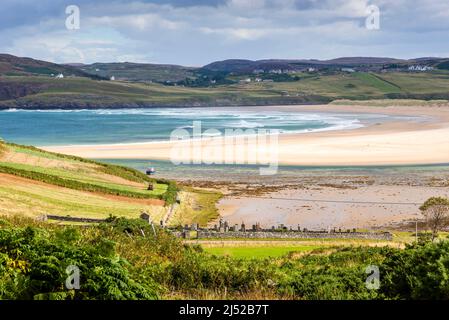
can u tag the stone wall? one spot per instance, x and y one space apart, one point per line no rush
70 219
202 234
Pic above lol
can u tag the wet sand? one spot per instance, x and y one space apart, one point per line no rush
370 207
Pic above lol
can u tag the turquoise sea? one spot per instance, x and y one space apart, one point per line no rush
71 127
81 127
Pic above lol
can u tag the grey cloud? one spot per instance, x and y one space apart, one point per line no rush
196 32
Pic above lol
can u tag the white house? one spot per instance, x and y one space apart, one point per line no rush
247 80
59 76
112 78
420 68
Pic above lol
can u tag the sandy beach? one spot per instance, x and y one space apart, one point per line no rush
320 208
328 200
423 141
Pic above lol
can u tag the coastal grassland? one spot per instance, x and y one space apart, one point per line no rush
35 182
77 173
27 197
196 206
389 102
126 259
362 86
419 83
75 93
377 82
140 72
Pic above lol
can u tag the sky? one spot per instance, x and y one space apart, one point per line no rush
197 32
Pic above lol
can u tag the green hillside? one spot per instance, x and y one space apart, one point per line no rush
36 182
17 66
139 72
79 92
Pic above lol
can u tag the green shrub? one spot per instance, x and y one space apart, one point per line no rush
340 275
33 264
127 259
417 272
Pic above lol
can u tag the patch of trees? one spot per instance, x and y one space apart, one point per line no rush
436 213
206 78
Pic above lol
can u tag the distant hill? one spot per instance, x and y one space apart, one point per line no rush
17 66
27 83
139 72
248 66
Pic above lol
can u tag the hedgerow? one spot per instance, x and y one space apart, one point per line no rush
74 184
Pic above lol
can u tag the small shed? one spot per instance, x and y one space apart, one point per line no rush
145 216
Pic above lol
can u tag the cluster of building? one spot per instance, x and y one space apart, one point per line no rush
284 71
349 69
249 80
420 68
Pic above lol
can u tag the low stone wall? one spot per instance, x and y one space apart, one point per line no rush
295 235
71 219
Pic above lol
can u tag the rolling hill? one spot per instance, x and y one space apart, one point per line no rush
83 93
17 66
27 83
139 72
364 63
35 182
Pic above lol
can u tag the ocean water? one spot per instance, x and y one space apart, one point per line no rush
81 127
399 174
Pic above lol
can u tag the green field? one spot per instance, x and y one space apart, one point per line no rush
34 161
35 182
139 71
249 252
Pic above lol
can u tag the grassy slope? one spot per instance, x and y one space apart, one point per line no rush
82 92
139 72
26 189
38 161
21 195
198 206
